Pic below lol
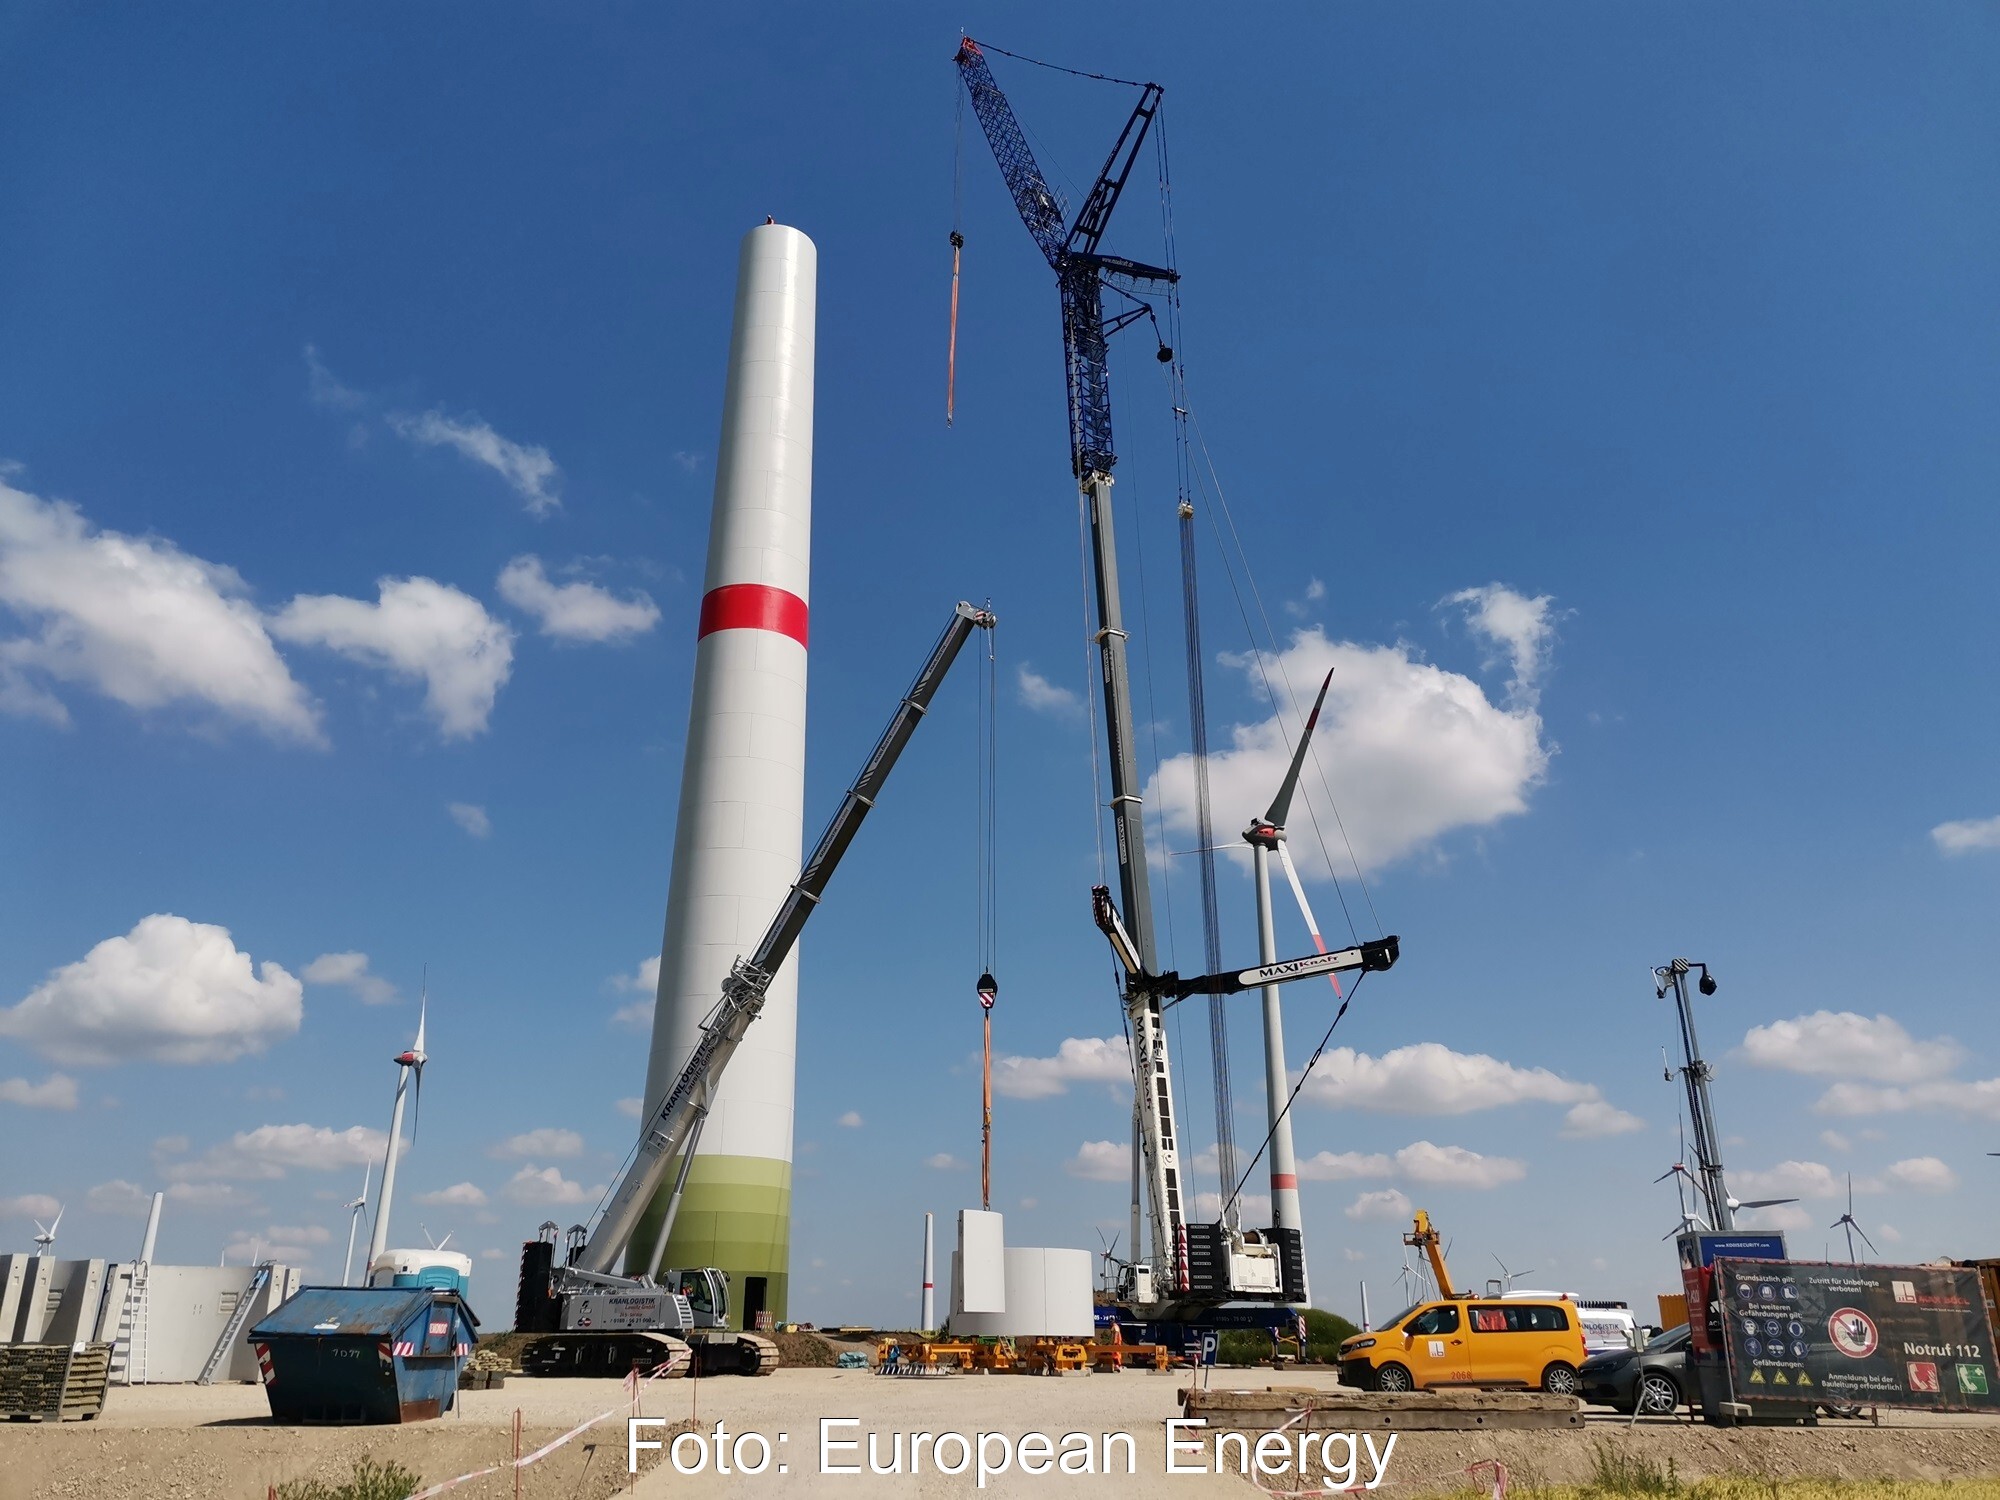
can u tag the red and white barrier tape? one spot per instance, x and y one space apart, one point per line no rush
632 1382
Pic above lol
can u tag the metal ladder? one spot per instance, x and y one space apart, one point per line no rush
245 1305
128 1352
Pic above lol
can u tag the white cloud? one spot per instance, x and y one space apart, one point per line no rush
270 1151
852 1119
1923 1174
1975 1100
1419 1162
1519 629
30 1206
1847 1045
1889 1234
1793 1179
1599 1117
1387 1203
325 388
1101 1161
1788 1217
638 1016
307 1234
1251 1208
944 1161
136 619
471 817
349 971
575 611
458 1195
1455 1166
57 1091
1833 1140
1967 837
1080 1059
631 1109
418 629
1428 1078
540 1185
1411 750
548 1141
1045 697
120 1197
288 1244
643 980
210 1195
1328 1166
527 467
169 991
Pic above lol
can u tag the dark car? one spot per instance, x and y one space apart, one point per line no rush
1653 1380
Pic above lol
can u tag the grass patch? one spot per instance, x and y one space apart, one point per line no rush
370 1481
1623 1476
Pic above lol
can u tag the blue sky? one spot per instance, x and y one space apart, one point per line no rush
1607 392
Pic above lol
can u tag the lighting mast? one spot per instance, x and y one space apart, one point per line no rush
1695 1073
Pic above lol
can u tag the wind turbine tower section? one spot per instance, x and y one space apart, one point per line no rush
738 835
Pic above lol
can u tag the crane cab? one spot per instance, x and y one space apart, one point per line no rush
707 1294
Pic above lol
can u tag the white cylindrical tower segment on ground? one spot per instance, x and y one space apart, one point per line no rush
737 840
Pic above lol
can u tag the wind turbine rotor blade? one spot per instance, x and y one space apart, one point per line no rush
1281 805
1759 1202
1305 909
1866 1241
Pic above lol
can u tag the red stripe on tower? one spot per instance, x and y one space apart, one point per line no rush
1284 1180
753 606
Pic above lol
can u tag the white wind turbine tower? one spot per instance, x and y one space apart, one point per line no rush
355 1210
408 1064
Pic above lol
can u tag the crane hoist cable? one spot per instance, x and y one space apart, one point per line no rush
957 245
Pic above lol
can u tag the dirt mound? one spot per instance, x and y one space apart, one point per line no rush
803 1351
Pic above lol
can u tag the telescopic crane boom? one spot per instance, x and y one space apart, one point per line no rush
685 1105
608 1319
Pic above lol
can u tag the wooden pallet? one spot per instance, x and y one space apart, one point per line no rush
53 1382
1345 1410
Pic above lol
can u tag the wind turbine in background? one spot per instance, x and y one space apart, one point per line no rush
355 1210
45 1241
1683 1180
1509 1277
409 1066
1846 1221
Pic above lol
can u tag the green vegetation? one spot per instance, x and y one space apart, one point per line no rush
1619 1475
371 1481
1324 1331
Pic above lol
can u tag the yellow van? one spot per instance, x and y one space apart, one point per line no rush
1470 1341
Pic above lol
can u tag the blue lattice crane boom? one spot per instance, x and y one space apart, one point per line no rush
1071 250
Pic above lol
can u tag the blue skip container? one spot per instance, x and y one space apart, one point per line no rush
346 1356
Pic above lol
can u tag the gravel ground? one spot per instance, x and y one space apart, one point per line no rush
217 1443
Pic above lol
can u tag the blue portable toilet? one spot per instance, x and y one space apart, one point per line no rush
349 1355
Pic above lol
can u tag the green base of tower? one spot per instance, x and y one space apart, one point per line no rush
736 1216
